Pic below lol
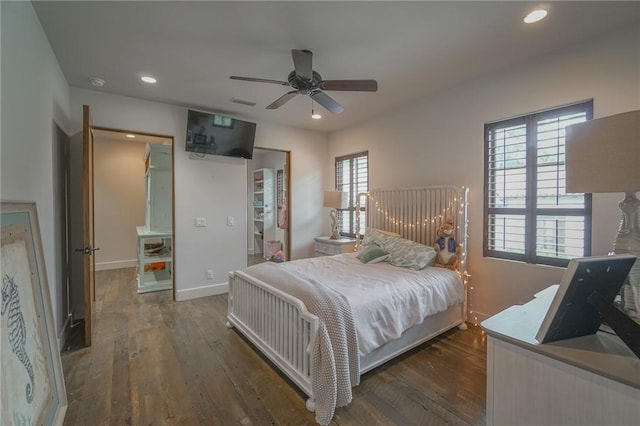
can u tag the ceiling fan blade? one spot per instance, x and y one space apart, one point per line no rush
260 80
302 63
349 85
282 100
327 101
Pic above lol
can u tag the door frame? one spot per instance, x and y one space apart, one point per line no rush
88 240
287 171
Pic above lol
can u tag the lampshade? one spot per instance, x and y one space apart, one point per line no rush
336 199
603 155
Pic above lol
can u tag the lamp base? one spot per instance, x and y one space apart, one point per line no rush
334 225
628 242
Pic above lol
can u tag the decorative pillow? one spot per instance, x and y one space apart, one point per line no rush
372 253
402 252
389 233
375 236
409 254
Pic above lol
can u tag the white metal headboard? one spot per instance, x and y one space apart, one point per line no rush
417 213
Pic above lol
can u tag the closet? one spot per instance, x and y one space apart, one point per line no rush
155 238
263 212
268 205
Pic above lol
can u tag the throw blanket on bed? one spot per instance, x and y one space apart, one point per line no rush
335 360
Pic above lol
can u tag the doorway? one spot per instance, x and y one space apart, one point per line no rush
269 212
118 186
133 205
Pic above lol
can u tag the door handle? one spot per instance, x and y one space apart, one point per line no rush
87 250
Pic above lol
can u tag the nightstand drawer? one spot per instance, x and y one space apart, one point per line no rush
324 246
328 249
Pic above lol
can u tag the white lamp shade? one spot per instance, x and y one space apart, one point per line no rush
336 199
603 155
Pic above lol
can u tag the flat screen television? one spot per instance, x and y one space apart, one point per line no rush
219 135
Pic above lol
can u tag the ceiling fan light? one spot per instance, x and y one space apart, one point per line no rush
314 115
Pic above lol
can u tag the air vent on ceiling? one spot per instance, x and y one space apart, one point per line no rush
242 102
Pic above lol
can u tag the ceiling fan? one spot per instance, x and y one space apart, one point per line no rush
306 81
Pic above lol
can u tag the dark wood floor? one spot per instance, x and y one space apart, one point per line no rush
159 362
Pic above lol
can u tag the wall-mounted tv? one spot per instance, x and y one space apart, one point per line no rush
219 135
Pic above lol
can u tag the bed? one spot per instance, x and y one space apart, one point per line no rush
325 321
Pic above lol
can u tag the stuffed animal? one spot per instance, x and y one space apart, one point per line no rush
277 257
448 250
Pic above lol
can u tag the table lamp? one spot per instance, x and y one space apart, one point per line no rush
335 200
603 155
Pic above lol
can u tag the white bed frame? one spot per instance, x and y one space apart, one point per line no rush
282 328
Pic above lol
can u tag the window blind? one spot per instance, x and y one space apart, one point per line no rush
528 214
352 176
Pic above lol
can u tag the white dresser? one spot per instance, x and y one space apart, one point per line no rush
590 380
325 246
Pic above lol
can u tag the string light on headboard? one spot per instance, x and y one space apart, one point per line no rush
391 218
466 278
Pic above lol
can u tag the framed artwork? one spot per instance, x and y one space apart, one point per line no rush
33 391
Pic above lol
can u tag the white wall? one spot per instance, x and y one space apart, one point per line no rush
119 201
215 188
440 140
35 95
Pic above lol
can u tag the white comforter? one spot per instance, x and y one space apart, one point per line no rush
386 300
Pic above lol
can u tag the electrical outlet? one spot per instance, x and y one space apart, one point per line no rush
209 274
230 221
201 222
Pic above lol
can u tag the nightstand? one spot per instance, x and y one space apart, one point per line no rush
325 246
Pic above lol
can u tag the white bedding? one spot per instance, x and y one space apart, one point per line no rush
386 300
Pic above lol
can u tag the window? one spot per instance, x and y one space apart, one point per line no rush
528 214
352 176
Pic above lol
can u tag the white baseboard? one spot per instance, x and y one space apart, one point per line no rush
104 266
208 290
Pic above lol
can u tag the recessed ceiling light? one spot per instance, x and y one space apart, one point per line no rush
148 79
130 136
535 16
97 82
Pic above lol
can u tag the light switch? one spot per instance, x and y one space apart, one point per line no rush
201 221
230 221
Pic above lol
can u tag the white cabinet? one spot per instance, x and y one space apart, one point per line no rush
589 380
263 208
154 260
157 160
155 246
325 246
